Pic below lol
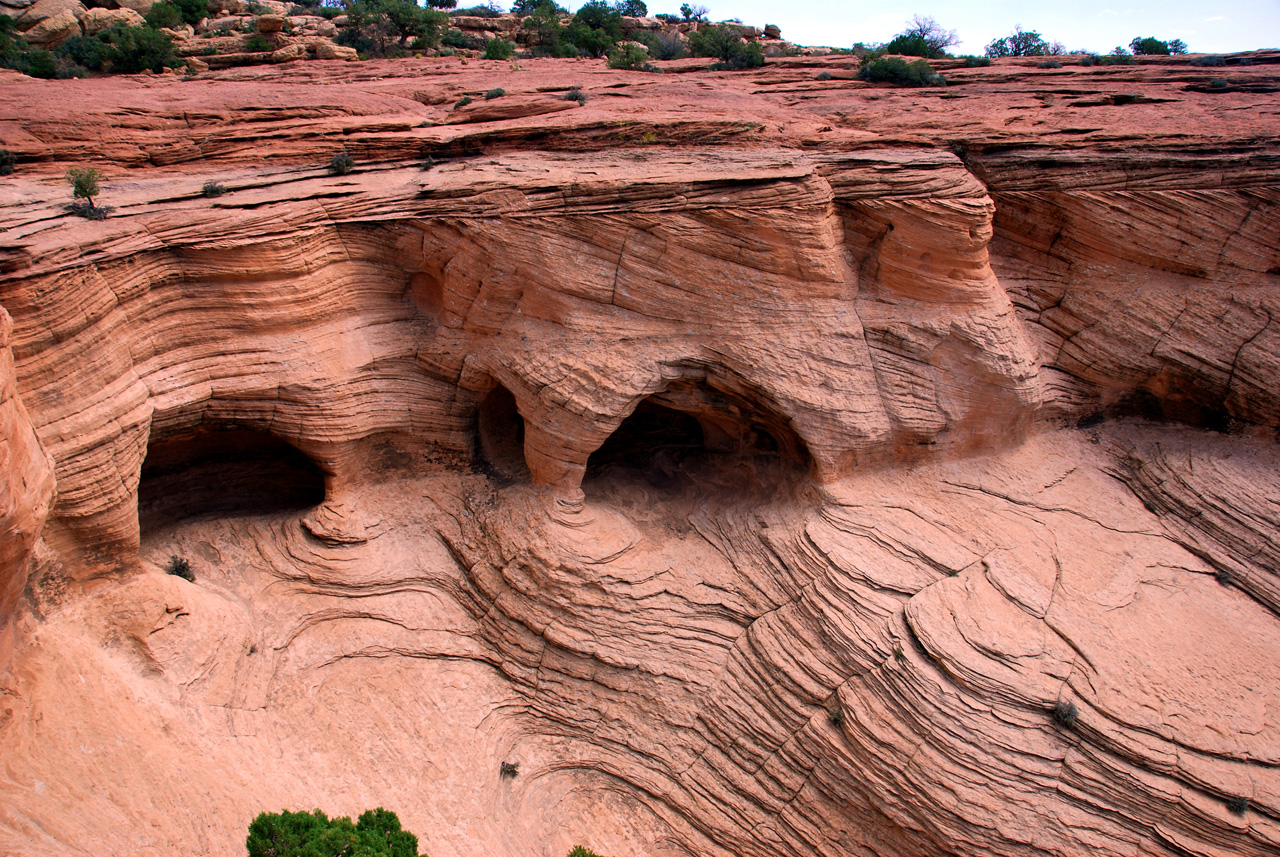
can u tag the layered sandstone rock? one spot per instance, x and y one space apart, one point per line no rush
708 447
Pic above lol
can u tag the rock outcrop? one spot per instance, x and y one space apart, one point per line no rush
769 464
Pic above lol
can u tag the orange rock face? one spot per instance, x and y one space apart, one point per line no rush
768 463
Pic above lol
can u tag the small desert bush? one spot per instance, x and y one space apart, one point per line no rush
341 164
180 567
899 72
499 49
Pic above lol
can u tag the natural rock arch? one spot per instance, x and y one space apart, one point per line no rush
224 470
697 430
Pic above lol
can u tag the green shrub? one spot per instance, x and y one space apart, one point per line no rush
1066 714
499 49
629 57
381 27
595 29
164 14
462 102
84 183
1150 46
1020 43
258 44
582 851
212 188
377 833
455 38
509 769
543 32
976 62
662 45
497 92
135 49
577 95
1209 61
490 11
1238 805
341 164
7 162
899 72
180 567
16 54
725 43
836 716
924 38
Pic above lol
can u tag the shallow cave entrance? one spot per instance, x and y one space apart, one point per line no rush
500 436
695 439
224 472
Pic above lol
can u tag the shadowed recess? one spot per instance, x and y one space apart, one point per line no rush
225 472
693 435
500 435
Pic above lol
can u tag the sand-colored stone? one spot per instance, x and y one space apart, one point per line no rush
98 19
54 30
974 416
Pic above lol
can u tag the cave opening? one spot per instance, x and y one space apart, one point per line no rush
500 436
696 439
224 472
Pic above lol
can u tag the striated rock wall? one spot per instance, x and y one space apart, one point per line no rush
759 487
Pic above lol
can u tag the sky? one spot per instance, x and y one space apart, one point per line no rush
1220 26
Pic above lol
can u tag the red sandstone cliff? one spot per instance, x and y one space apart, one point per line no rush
631 441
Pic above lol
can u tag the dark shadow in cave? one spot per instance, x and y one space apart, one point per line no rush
500 436
224 472
701 441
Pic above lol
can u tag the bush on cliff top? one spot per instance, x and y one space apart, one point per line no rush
899 72
377 833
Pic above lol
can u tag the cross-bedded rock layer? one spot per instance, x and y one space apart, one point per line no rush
703 448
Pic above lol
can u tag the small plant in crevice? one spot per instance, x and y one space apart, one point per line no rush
341 164
496 92
898 654
212 188
508 769
1238 805
258 44
577 95
7 162
84 187
1065 714
582 851
462 102
826 75
836 716
1224 576
180 567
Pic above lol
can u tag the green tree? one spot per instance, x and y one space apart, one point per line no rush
544 33
84 183
693 13
632 8
725 42
135 49
595 28
377 833
924 38
382 26
1177 46
1151 46
1020 43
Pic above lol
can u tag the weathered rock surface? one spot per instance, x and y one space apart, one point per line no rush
709 448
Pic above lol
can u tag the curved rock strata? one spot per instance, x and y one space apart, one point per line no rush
884 475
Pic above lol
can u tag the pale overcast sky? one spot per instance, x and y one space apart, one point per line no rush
1219 26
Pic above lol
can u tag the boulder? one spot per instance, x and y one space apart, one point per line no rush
142 7
96 20
52 32
230 23
179 34
330 51
271 23
196 65
43 10
289 53
772 31
629 24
